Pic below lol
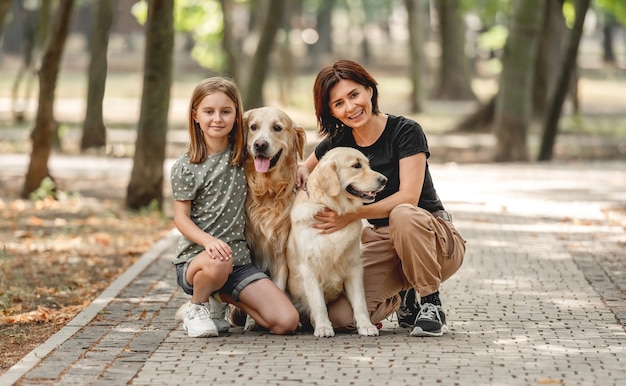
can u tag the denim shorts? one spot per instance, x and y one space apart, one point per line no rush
239 278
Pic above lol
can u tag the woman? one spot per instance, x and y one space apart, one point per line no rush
411 246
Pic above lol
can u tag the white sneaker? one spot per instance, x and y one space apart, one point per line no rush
219 314
197 322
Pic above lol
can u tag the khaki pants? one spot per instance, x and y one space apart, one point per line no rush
416 250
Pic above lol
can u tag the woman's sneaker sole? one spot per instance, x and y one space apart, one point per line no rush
417 331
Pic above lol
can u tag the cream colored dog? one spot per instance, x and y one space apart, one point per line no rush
323 266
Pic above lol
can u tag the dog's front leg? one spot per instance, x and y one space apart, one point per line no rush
356 295
316 304
279 277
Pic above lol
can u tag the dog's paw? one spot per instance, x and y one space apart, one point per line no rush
324 331
368 330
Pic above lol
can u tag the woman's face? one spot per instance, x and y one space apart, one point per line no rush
351 103
216 114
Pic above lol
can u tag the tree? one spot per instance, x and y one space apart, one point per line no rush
35 25
272 21
46 127
228 43
323 47
568 64
514 101
549 51
146 182
548 55
5 5
94 131
415 12
454 75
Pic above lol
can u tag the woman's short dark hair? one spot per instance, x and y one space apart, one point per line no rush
326 79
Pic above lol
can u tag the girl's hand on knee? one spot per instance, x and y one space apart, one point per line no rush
219 250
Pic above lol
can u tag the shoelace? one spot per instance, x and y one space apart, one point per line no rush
201 312
429 311
404 310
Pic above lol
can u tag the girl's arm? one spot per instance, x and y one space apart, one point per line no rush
216 248
412 174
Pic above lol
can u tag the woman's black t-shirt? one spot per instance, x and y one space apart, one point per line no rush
402 137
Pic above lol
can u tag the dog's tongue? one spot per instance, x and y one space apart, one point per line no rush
262 164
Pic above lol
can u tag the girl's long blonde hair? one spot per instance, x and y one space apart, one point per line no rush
198 151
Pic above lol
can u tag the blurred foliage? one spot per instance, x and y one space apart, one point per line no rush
202 20
494 38
616 8
489 11
47 189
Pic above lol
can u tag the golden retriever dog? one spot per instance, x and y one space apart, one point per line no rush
323 266
274 144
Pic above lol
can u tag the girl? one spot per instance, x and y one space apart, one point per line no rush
209 189
411 245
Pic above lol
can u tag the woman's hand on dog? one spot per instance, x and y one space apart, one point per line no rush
330 221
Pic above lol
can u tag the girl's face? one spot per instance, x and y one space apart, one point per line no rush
216 114
351 103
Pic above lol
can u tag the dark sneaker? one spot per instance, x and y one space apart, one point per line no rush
407 313
219 314
431 321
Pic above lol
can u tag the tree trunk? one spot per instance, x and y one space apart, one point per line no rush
323 47
146 181
514 104
568 65
45 128
481 120
415 12
273 18
286 66
94 131
548 55
608 53
5 5
36 26
454 74
228 42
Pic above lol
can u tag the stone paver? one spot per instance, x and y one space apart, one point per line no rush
540 299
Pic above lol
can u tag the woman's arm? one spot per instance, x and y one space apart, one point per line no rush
216 248
412 174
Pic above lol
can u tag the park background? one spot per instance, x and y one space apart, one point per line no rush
442 73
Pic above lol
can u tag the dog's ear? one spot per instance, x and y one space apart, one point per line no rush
325 178
246 118
301 140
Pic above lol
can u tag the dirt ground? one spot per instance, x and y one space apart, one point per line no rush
58 255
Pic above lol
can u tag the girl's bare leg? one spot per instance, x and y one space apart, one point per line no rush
268 306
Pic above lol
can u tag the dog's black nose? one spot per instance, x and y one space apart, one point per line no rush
260 145
382 180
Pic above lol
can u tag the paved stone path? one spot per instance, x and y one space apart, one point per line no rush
540 299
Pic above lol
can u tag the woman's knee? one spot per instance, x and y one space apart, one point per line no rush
341 315
407 216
